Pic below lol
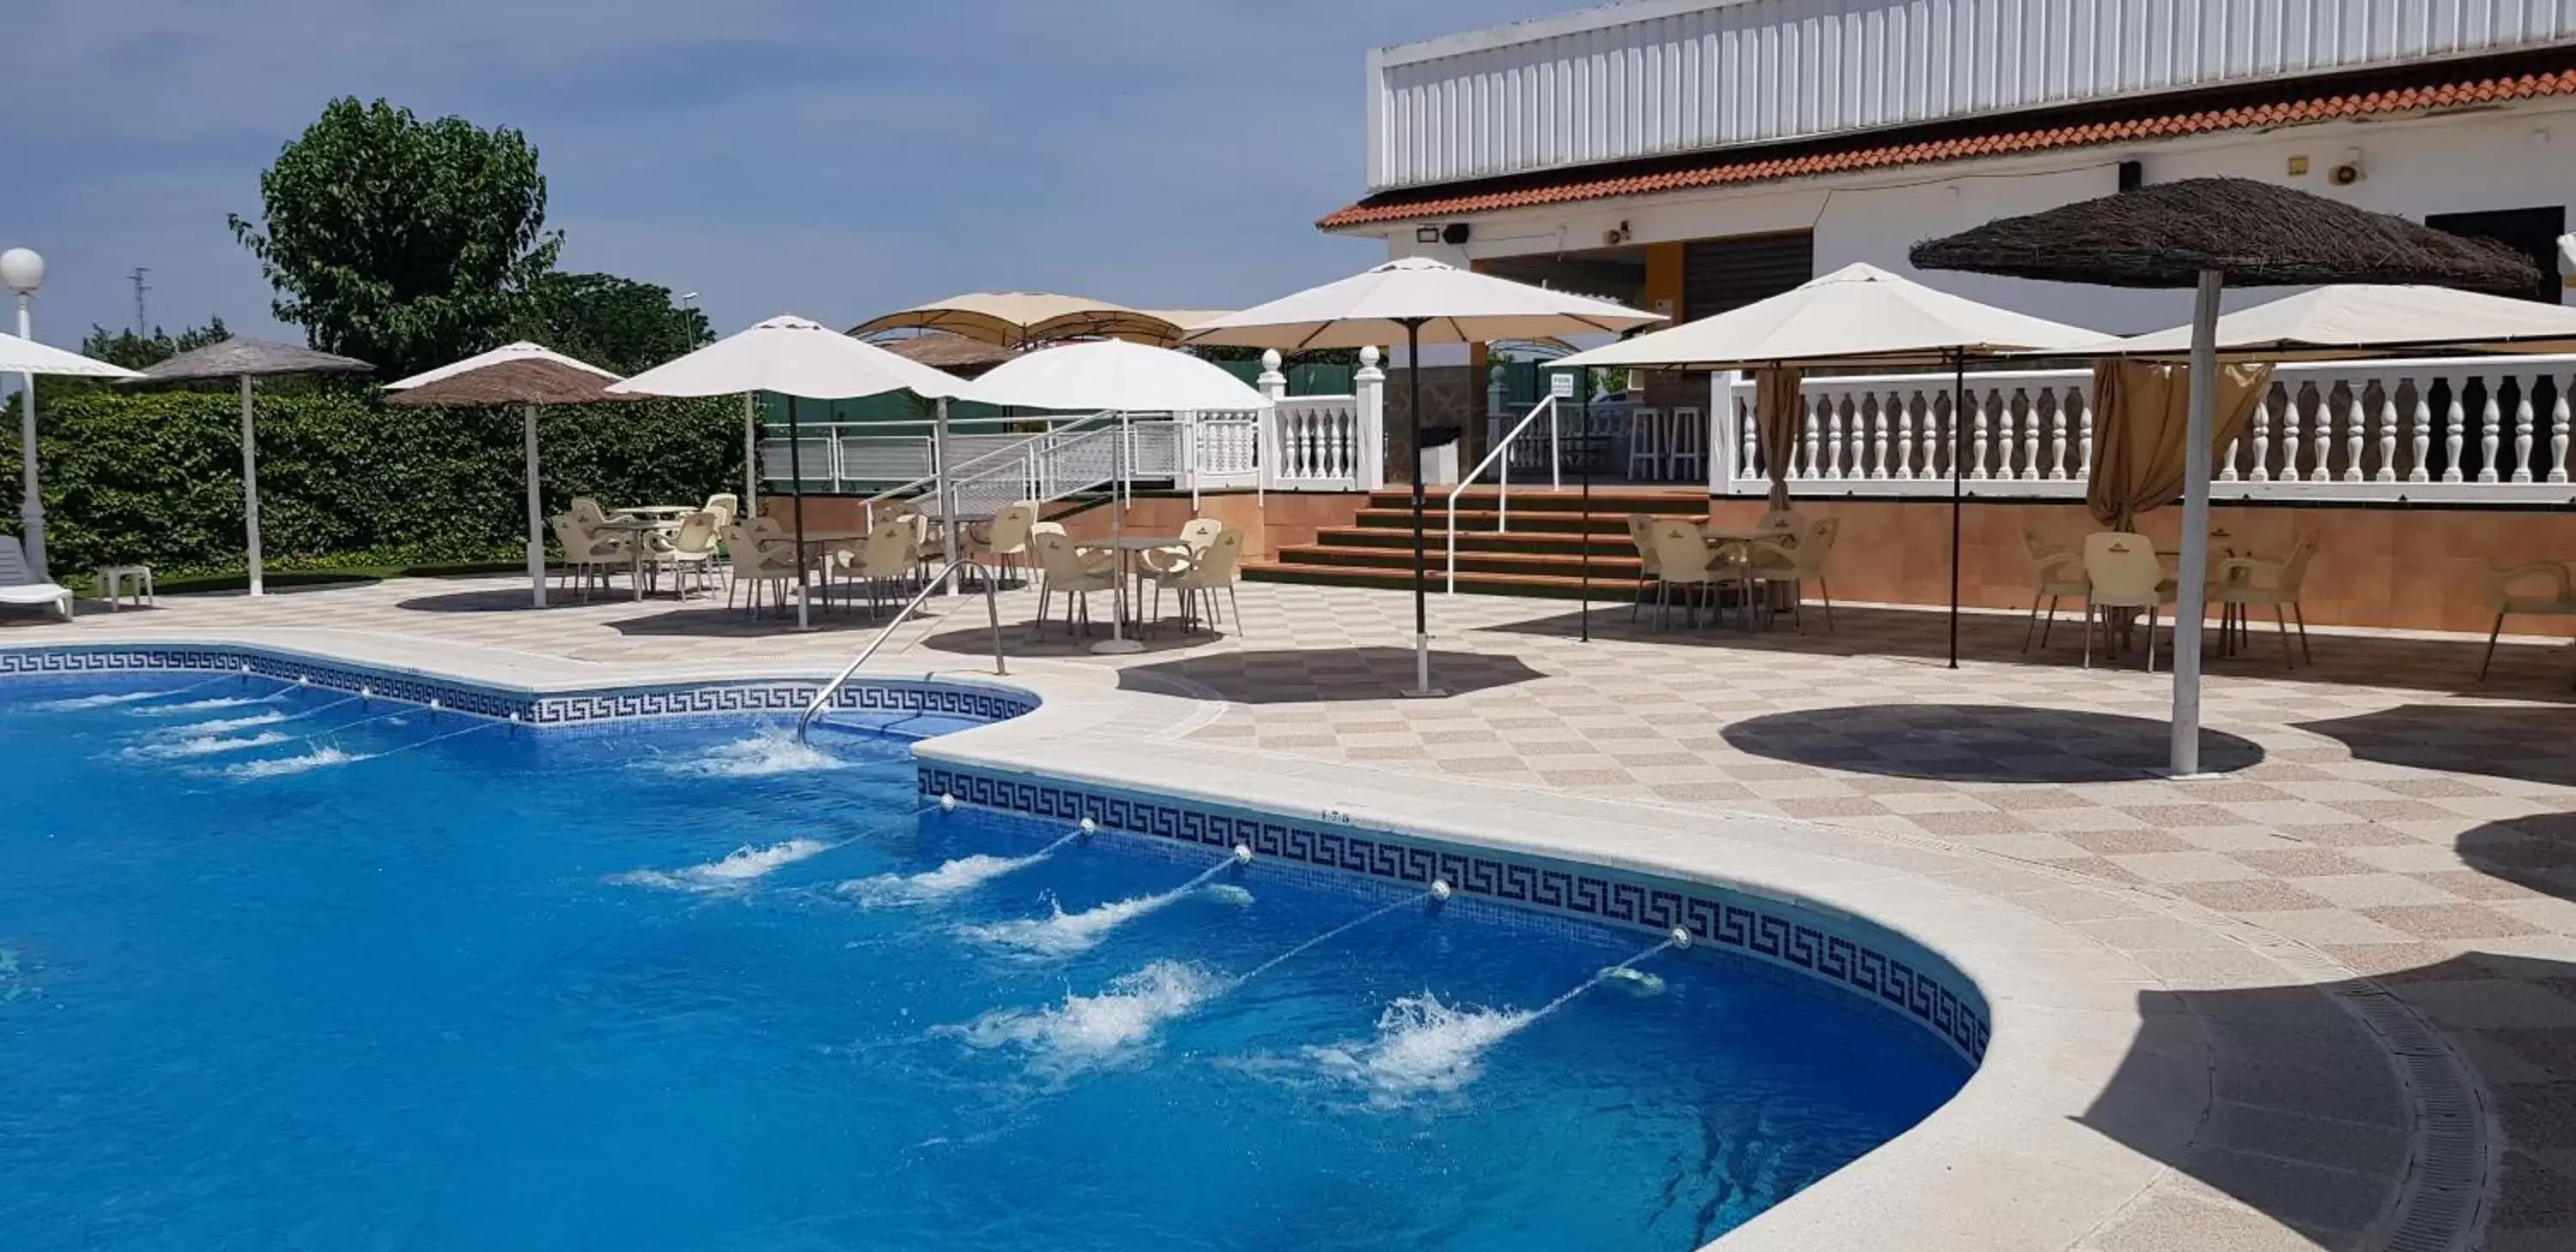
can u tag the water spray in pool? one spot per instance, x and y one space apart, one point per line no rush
1064 934
744 866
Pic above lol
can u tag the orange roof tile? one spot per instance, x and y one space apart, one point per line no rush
1721 168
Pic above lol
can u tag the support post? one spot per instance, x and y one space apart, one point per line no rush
750 453
1368 390
1273 386
947 498
796 472
250 487
536 519
1422 688
2191 573
31 501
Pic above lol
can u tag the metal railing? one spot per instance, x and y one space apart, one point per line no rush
992 610
1503 481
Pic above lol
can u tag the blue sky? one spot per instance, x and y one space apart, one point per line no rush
833 159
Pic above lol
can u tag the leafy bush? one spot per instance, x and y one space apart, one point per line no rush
343 480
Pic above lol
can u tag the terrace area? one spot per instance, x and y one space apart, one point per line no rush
2378 816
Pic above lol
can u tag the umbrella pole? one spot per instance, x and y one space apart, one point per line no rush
250 488
31 501
796 471
1422 688
1118 644
536 520
1958 415
750 453
2190 576
947 498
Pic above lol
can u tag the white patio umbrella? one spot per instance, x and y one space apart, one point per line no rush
1859 315
522 374
801 359
2349 319
247 360
27 358
1424 301
1113 376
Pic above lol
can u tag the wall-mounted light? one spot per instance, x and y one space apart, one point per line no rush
1426 234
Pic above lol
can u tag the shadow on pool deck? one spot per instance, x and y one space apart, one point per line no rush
1997 743
2534 744
1330 675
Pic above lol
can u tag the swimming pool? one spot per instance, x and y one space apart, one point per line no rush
282 968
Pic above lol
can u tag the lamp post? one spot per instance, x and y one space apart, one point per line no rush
22 271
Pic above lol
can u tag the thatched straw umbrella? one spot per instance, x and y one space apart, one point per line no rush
522 374
2206 233
248 359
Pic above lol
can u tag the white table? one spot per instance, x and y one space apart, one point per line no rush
1126 546
635 529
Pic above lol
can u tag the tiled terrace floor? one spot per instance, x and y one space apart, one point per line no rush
2379 807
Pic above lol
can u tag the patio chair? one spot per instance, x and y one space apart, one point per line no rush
2121 572
1007 535
19 585
726 506
1681 548
1203 573
891 554
588 557
1650 573
1782 519
1067 572
2244 582
1798 558
689 553
760 559
2055 573
587 512
2539 589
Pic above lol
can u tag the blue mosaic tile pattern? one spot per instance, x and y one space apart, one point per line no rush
1938 1000
961 702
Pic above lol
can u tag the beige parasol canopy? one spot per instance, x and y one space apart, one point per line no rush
1014 318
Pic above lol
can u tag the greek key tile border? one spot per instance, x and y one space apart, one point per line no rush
1939 999
967 702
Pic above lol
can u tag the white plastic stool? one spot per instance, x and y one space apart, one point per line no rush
114 579
1645 444
1682 443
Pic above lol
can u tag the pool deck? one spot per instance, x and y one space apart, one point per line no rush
2210 997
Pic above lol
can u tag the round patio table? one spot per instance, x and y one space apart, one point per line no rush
1126 547
635 529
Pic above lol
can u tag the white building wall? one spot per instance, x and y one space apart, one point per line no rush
2519 158
1664 76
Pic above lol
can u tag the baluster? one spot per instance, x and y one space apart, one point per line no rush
2291 445
1896 404
2004 441
1815 437
2030 435
2352 432
2490 433
1751 462
2420 435
2522 430
2084 434
1879 424
2387 433
2057 403
1931 434
2324 436
2261 470
1978 436
2455 435
2227 464
2558 433
1833 438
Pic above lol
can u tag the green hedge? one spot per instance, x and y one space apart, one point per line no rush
344 480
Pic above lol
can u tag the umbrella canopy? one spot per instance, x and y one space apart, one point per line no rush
1444 303
2349 319
1111 374
1013 318
1857 314
941 350
792 356
2258 234
250 358
26 356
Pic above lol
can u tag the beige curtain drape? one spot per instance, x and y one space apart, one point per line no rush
2141 422
1778 421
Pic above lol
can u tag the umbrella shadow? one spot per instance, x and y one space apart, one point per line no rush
2527 742
513 599
1323 675
1994 743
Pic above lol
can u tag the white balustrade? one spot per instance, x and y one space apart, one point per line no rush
2356 430
1318 442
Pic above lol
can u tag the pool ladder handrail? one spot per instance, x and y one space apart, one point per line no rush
992 610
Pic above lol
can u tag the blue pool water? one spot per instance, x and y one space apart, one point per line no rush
284 971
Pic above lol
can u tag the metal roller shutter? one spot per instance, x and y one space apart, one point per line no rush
1723 274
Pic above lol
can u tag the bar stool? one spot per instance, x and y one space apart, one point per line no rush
1645 444
1683 439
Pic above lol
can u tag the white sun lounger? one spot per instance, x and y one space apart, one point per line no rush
18 584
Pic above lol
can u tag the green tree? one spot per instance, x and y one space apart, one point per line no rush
134 352
403 243
614 323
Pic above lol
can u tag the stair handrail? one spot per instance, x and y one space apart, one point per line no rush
1022 450
992 610
1503 480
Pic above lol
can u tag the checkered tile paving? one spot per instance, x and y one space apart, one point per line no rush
2380 806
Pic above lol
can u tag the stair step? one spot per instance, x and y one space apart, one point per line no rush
1568 544
1599 521
1436 561
1603 590
1684 502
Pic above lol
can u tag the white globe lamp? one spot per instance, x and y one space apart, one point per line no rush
22 271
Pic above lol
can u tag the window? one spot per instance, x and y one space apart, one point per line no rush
1721 275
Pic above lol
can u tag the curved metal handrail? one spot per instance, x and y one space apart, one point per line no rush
992 610
1503 500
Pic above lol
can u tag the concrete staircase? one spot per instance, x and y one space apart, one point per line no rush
1541 555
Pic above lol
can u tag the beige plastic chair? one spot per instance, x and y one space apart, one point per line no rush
1007 538
2539 589
1202 574
587 512
588 558
761 559
2054 573
19 584
2244 581
1067 572
1650 574
726 506
2121 572
1782 519
1801 557
688 552
890 556
1682 552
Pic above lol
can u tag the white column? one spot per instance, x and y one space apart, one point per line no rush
250 487
536 519
2193 568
